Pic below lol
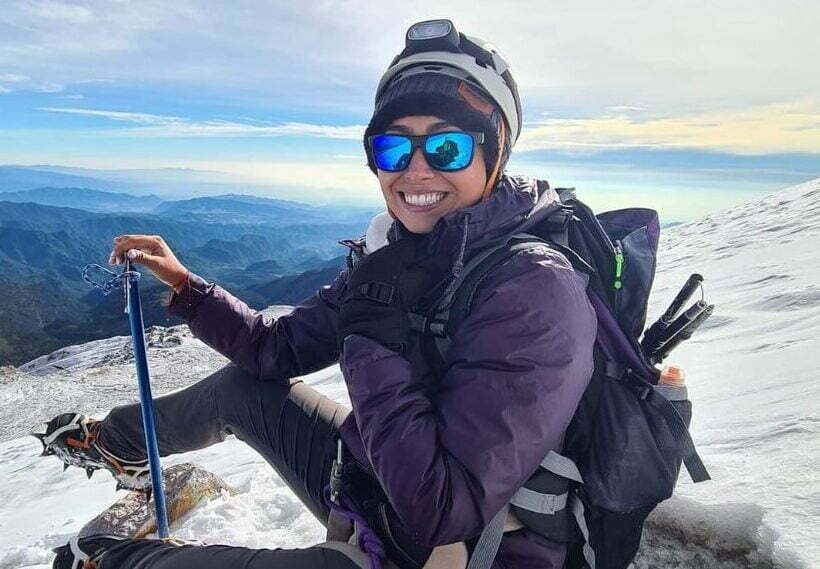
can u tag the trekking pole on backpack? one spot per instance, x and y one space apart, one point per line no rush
133 308
669 331
692 319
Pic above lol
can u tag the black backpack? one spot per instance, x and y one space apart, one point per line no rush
595 495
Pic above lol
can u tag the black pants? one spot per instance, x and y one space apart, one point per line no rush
292 426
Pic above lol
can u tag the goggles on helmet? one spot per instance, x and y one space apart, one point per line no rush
449 151
435 46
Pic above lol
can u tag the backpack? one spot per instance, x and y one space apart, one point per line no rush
625 444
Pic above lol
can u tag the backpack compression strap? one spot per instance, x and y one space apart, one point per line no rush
490 539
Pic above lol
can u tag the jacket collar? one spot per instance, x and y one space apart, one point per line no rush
516 204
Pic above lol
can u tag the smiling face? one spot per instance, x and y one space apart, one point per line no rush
419 196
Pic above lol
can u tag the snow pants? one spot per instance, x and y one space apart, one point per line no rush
290 424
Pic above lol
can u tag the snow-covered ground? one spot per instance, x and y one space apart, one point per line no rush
751 372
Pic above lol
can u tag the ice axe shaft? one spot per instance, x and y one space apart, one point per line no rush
134 310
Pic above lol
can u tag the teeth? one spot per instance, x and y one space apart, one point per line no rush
423 199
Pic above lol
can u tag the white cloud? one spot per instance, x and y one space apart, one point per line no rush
13 78
60 11
625 108
4 89
778 128
668 55
141 118
49 87
160 126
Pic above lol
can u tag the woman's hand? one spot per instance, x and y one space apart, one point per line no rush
154 253
382 288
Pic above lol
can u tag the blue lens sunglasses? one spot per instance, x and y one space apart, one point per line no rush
444 151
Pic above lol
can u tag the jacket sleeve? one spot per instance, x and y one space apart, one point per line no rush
450 453
291 345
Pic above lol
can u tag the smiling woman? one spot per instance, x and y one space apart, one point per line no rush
422 469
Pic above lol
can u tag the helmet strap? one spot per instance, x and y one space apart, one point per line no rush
492 178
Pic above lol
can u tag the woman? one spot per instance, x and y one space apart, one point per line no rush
430 453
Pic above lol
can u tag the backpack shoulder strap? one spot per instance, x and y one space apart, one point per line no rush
454 305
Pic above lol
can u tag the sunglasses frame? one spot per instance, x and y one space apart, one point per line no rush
419 140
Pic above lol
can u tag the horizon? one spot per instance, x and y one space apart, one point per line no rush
701 202
671 112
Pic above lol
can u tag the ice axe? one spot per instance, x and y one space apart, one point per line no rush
107 281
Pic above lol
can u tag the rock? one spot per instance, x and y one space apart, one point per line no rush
161 337
186 485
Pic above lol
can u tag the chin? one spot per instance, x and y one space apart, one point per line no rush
418 225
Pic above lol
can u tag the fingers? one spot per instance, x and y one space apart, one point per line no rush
151 244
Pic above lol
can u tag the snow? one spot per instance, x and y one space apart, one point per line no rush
752 369
751 372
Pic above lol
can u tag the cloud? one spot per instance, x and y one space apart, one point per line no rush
4 89
191 129
163 126
625 108
141 118
782 128
24 82
49 87
60 11
667 55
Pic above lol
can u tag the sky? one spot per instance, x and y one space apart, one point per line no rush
684 106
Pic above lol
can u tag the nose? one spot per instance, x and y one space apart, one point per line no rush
418 169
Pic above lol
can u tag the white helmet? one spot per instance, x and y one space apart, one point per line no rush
434 46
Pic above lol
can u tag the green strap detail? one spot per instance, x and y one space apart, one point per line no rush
619 266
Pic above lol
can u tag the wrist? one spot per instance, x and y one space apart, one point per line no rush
180 284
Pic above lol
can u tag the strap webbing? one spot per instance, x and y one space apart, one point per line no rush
339 526
488 542
539 502
578 512
80 556
562 466
694 465
353 553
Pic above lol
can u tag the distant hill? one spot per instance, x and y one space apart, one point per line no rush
19 178
292 289
84 198
253 209
245 209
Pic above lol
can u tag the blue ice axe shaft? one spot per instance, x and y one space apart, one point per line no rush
134 309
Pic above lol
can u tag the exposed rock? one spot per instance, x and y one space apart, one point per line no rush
9 373
161 337
186 485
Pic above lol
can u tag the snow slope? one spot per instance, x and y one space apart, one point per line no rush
751 373
753 369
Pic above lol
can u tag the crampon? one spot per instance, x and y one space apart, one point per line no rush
73 438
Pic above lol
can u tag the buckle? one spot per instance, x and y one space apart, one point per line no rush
378 291
337 473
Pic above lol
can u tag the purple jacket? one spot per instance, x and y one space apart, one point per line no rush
449 449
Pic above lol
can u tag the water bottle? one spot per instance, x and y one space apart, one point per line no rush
672 385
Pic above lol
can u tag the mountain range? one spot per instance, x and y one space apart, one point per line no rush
267 251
